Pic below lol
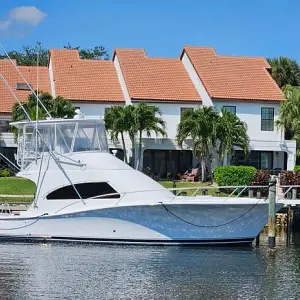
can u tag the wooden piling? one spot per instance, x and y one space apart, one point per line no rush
174 187
288 226
257 240
272 213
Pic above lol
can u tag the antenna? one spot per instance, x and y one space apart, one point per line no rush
29 86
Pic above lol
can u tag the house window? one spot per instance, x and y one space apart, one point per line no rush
23 86
4 126
86 190
232 109
267 119
183 109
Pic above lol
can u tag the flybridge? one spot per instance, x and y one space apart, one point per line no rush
59 136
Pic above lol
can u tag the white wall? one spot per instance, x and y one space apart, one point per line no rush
196 80
171 114
51 78
94 109
250 112
121 80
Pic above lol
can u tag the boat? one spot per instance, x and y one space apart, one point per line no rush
86 194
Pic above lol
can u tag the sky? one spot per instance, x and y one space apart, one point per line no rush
268 28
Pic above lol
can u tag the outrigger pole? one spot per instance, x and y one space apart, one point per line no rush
29 86
29 119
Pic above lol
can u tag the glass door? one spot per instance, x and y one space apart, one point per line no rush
266 160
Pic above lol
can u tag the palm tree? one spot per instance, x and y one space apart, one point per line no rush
117 123
201 126
147 119
131 129
231 131
58 108
284 71
289 112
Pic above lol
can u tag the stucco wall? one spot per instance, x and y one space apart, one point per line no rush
250 112
51 78
94 109
196 80
171 114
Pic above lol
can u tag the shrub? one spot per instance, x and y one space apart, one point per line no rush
6 172
297 168
287 178
290 178
234 175
261 177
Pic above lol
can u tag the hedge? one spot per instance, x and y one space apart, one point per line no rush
234 175
297 168
6 172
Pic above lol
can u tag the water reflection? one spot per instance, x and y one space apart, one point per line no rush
61 271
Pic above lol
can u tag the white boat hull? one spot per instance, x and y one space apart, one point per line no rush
167 224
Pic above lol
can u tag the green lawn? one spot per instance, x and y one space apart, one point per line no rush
212 188
21 186
16 186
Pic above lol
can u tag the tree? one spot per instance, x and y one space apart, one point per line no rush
289 112
231 131
27 56
117 123
134 120
201 126
147 119
98 52
58 108
284 71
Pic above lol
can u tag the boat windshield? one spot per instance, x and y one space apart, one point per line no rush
61 137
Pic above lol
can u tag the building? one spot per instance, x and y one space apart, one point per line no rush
198 77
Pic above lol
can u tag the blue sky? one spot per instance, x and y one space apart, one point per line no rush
254 27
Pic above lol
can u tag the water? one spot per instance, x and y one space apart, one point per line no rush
65 271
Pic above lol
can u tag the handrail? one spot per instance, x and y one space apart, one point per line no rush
122 194
179 189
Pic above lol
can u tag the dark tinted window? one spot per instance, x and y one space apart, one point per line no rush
86 190
232 109
23 86
183 109
267 119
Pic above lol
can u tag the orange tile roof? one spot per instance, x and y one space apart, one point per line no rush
12 77
148 78
233 77
84 79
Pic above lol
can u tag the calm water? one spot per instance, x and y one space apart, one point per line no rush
64 271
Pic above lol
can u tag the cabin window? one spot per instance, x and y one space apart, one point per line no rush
230 108
267 119
86 190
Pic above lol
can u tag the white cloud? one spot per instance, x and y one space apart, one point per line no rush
4 25
23 15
